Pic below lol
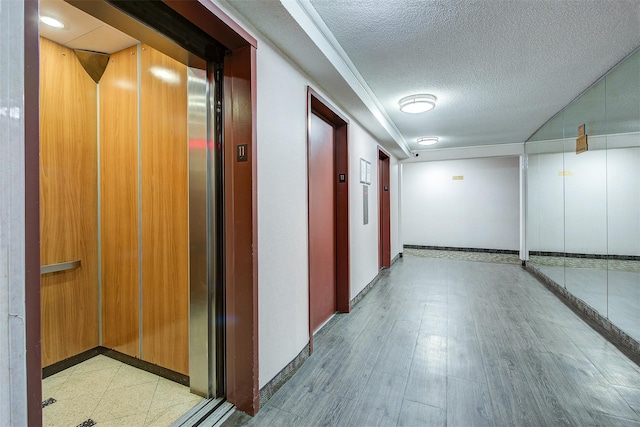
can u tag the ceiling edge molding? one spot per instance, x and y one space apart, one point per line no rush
310 22
458 153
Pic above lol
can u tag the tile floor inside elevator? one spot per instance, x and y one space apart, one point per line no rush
105 392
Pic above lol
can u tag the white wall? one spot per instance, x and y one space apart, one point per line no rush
395 171
282 212
480 211
587 203
623 201
363 238
13 394
545 203
283 318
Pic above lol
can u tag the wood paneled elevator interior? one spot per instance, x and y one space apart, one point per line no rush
131 196
114 186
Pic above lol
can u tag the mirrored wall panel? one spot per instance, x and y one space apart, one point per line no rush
583 216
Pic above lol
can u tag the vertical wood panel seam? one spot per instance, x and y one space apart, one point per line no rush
99 209
140 320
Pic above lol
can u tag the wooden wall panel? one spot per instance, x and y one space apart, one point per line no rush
165 222
119 203
68 208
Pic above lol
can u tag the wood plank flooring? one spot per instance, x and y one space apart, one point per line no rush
444 342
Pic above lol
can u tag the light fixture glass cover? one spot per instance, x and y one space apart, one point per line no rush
52 22
428 140
417 103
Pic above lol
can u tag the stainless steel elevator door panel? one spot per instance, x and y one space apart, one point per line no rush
201 379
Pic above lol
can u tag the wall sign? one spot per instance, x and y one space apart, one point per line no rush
365 172
581 141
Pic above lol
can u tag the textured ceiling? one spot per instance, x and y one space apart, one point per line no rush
500 69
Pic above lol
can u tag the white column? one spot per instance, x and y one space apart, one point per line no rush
524 255
13 386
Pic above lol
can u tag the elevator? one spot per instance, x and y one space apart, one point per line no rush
131 201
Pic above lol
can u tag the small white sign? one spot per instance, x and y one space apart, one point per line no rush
365 172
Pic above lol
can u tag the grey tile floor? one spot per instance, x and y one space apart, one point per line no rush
457 343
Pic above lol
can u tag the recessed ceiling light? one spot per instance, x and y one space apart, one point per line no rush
428 140
52 22
417 103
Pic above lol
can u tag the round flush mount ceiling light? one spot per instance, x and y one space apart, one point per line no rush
417 103
52 22
428 140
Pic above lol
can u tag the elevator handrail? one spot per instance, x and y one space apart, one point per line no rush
63 266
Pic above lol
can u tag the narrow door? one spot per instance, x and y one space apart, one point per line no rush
384 217
322 244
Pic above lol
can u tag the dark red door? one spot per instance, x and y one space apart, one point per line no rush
322 235
384 218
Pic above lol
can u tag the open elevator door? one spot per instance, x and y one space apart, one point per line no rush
206 339
156 24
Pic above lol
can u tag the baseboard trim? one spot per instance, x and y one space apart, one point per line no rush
624 342
587 256
67 363
365 290
283 376
457 249
147 366
52 369
396 258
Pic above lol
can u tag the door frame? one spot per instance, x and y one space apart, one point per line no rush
384 210
241 263
319 106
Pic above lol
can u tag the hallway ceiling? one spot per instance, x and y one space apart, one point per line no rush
500 69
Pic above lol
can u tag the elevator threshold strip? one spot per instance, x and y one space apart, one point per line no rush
208 413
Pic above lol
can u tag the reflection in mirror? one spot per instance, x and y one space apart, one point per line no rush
545 204
583 217
585 202
623 195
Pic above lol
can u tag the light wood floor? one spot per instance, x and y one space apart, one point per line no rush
457 343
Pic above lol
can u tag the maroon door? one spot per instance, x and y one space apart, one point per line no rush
384 218
322 235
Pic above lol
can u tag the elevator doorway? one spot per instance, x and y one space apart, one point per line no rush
384 211
130 222
328 205
322 222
